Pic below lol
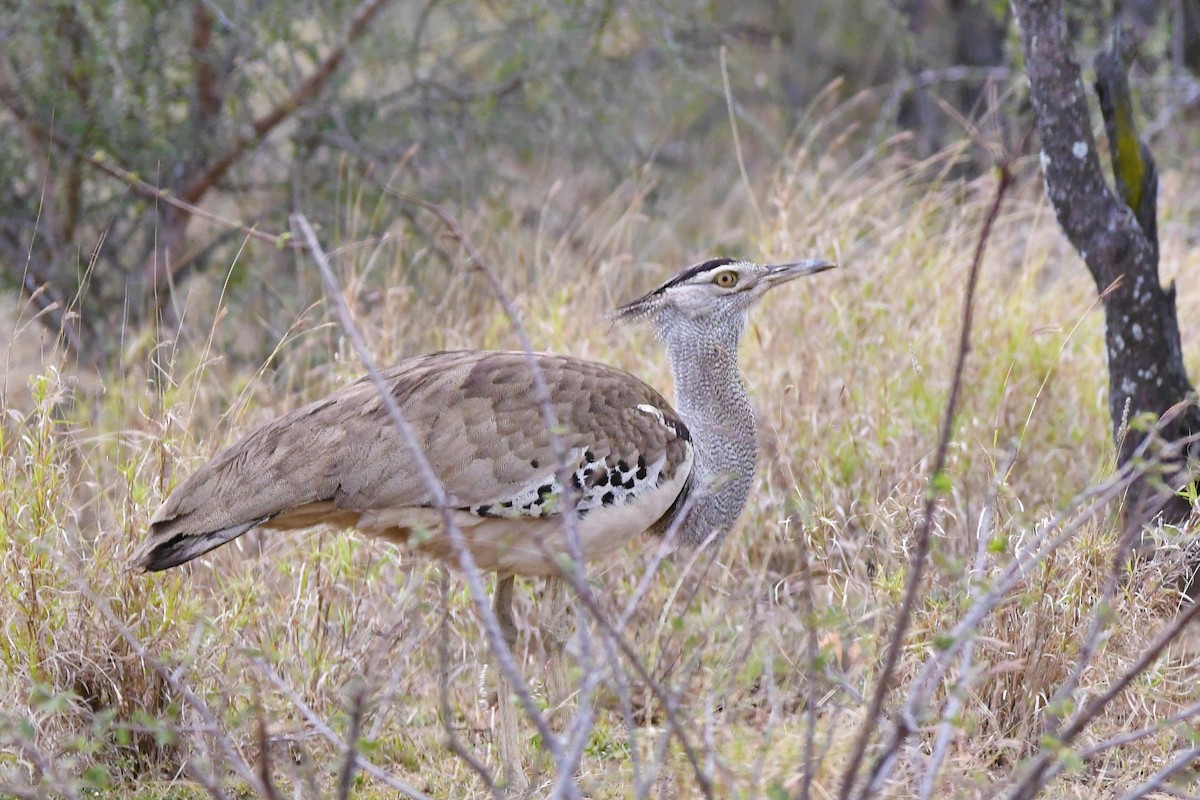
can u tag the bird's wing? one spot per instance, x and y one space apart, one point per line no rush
479 423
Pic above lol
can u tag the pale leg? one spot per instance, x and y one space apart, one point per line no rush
506 712
556 632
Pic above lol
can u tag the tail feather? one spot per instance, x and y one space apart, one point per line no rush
171 548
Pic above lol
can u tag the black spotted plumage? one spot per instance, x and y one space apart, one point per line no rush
478 419
342 456
479 423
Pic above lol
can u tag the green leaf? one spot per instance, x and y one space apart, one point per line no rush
96 777
940 483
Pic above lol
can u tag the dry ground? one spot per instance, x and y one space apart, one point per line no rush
784 636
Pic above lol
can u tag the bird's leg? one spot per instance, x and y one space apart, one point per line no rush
556 632
510 735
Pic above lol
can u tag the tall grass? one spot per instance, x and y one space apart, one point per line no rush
245 668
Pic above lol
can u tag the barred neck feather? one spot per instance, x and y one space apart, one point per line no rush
712 400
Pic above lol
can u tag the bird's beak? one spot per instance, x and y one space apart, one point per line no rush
782 273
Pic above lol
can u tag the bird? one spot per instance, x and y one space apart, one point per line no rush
633 462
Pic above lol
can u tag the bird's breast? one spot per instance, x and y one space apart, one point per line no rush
526 533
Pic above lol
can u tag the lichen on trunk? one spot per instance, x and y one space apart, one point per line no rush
1116 235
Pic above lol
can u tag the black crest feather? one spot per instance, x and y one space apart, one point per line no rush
691 272
648 303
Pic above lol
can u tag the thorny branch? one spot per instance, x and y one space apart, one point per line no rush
314 719
1034 777
573 576
579 727
424 469
924 537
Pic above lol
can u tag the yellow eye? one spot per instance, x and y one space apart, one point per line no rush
726 279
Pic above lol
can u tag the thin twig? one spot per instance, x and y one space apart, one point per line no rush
452 740
580 727
924 537
314 719
541 388
669 701
440 500
21 792
1185 760
1034 776
1092 751
43 768
168 676
939 662
954 703
1100 620
1183 715
1042 545
345 780
615 631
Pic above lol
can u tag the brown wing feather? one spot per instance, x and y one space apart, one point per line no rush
477 419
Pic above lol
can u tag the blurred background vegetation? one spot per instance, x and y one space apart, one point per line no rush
252 109
150 156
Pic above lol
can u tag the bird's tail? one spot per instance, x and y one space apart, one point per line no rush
170 548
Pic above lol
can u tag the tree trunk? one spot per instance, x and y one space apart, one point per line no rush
1119 246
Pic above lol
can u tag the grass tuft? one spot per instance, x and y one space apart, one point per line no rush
773 659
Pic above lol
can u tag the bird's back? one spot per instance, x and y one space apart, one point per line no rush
478 420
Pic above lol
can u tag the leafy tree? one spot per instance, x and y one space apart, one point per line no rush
116 105
122 124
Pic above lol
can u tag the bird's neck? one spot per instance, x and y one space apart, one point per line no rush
714 404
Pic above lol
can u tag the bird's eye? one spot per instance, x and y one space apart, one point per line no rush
726 279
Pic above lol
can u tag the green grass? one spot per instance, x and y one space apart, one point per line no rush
849 371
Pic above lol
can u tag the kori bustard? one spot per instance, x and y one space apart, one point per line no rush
634 462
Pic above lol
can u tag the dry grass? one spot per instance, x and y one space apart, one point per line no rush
850 373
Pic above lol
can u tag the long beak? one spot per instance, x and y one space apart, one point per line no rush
782 273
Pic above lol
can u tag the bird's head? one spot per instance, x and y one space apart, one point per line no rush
714 293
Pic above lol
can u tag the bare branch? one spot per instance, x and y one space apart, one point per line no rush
924 536
314 719
1185 760
200 184
1034 776
358 704
483 609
